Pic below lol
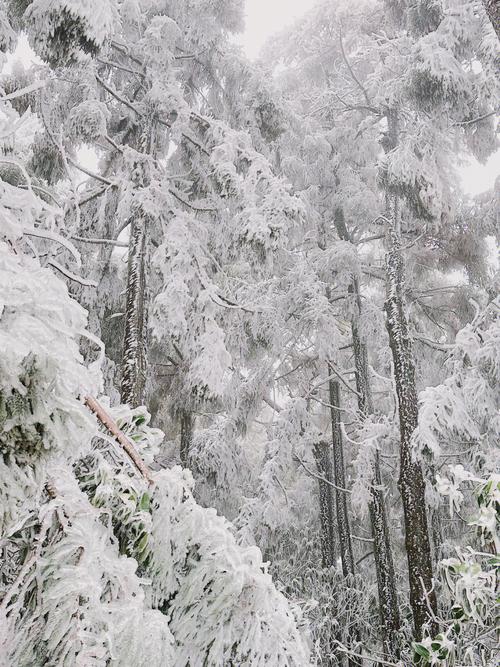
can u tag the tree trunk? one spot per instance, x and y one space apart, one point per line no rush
411 480
341 501
134 345
322 454
384 564
339 476
492 8
186 436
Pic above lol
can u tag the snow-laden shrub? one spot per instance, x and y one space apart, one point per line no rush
101 568
83 602
41 375
222 604
465 408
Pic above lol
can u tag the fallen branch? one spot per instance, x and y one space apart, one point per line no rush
108 421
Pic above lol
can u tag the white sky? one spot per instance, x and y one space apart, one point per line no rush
265 17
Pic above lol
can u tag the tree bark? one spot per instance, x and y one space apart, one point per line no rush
384 564
343 525
492 8
411 481
339 477
322 454
186 436
134 345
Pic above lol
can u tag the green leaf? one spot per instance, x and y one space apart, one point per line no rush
145 502
143 543
421 651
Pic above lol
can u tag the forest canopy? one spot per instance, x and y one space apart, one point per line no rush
249 336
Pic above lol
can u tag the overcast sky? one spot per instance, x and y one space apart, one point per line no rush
265 17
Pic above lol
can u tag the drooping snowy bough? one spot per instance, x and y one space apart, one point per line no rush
98 566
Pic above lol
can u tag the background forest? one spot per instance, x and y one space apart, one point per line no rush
249 336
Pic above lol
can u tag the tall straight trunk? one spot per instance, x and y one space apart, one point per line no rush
339 476
411 480
186 435
322 454
343 525
134 345
384 564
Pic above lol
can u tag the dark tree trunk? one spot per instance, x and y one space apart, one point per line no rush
343 525
492 8
411 480
339 477
384 564
322 454
134 345
186 436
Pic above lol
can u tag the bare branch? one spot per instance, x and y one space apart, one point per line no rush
478 119
70 275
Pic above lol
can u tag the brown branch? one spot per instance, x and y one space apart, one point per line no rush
107 421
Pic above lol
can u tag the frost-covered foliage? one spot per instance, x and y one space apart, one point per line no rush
225 609
69 592
62 31
465 410
225 225
221 603
67 595
42 374
470 577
